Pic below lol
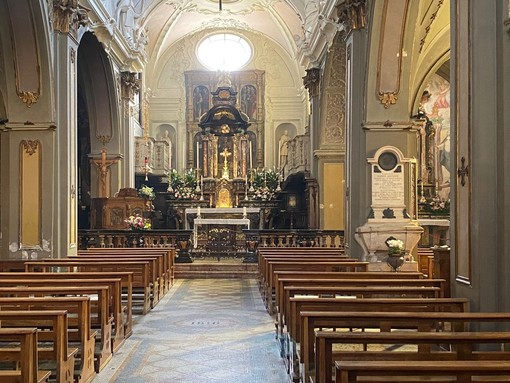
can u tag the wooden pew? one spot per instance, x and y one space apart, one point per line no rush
385 321
463 346
155 270
282 253
114 298
169 254
81 334
140 270
374 281
264 260
348 266
25 356
268 280
100 319
460 371
360 292
160 259
53 345
125 277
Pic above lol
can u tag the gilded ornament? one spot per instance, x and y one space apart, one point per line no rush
28 98
388 98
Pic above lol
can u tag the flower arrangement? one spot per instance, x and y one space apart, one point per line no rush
147 192
266 185
183 186
137 222
395 246
438 205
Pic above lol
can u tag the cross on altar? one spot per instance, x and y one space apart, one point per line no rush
225 154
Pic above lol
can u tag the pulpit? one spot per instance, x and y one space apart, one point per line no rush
110 213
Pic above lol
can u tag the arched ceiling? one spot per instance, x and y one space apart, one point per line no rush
289 23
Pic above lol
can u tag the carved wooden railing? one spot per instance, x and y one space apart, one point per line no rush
296 238
132 238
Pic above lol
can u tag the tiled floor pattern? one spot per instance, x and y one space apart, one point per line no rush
203 331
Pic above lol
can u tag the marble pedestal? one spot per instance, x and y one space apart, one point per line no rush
372 238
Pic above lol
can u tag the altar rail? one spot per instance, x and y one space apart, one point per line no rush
133 238
296 238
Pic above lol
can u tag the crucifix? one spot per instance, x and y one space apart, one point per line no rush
225 154
102 167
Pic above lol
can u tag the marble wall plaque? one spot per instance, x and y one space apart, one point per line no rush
388 186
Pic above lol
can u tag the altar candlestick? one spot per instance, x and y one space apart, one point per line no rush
244 211
198 211
198 159
250 157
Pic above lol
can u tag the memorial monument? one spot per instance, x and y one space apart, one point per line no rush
393 208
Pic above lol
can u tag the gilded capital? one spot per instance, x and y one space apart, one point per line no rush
68 15
352 14
312 81
130 84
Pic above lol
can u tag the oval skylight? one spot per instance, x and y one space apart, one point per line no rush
224 52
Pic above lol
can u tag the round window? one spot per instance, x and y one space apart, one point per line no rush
224 52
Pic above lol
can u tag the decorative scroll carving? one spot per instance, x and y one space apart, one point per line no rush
68 15
30 146
130 84
312 81
352 14
388 99
333 105
28 98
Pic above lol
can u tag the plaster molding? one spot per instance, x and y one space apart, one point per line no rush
427 28
389 62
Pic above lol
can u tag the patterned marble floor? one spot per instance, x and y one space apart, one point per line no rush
203 331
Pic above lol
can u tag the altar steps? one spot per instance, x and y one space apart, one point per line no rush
200 270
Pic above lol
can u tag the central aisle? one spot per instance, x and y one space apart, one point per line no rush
203 331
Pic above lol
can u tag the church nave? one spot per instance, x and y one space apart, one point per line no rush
203 331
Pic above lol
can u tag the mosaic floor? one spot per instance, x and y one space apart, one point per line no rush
203 331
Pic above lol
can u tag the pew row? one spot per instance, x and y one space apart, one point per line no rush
387 321
101 320
80 334
115 309
140 269
168 253
125 277
53 347
426 346
459 371
25 356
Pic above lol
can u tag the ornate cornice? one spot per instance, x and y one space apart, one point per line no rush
312 81
352 14
68 16
130 84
